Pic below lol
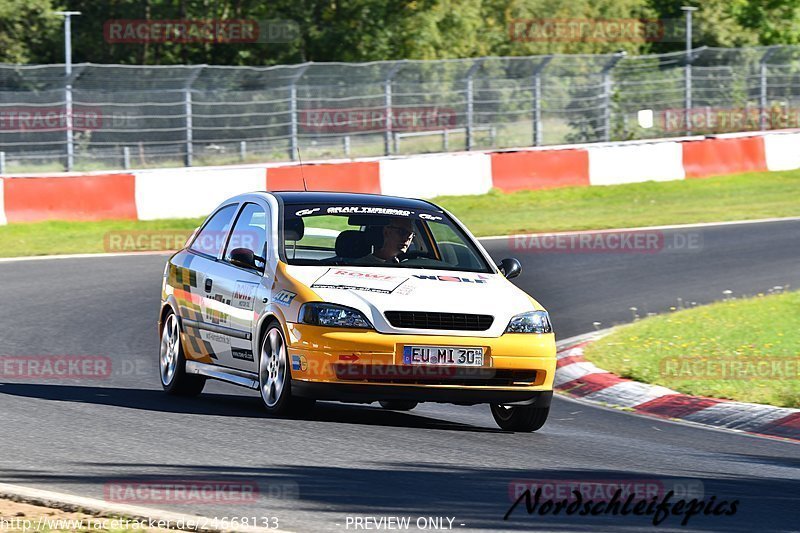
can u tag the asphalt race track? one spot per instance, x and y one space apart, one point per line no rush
436 461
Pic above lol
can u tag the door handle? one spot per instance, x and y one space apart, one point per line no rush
209 284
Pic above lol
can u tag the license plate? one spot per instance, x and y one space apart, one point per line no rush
442 356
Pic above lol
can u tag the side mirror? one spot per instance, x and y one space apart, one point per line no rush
510 267
242 257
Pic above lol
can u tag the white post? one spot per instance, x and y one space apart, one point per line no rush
68 85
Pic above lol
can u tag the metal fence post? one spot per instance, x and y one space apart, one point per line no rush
187 110
126 158
607 83
470 102
387 105
293 142
346 145
537 100
764 86
242 150
2 162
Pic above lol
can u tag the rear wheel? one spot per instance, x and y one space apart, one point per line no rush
172 362
398 405
275 377
519 417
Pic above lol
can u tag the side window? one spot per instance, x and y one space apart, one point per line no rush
211 238
250 232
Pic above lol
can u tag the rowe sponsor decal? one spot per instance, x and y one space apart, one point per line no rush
359 281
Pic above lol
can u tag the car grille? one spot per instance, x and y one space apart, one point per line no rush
445 321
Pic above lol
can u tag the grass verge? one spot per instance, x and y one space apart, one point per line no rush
738 197
746 350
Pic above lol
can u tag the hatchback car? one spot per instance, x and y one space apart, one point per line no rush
308 296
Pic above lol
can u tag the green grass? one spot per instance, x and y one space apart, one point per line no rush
743 196
738 197
56 237
714 350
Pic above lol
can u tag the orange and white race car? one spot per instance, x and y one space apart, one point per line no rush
310 296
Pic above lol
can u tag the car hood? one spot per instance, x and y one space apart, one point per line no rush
373 291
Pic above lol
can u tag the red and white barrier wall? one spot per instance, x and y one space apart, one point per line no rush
193 192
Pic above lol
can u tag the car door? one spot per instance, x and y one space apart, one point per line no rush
240 286
202 316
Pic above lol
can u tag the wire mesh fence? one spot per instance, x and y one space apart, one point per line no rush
111 116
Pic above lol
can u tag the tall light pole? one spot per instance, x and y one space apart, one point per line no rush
68 83
687 114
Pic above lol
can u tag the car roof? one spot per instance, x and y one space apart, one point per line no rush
345 198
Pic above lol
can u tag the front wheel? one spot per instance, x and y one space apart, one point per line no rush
519 417
172 362
274 376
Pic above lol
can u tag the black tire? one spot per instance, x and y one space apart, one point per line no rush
172 362
523 418
398 405
274 368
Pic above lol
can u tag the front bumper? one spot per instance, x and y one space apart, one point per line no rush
365 365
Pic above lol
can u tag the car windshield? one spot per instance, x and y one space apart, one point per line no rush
370 236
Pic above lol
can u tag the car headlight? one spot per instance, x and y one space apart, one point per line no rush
530 322
333 316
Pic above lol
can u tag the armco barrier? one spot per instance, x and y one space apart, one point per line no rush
2 204
86 197
193 192
714 157
611 165
427 176
360 176
782 151
540 169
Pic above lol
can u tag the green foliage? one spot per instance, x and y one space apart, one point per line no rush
368 30
28 31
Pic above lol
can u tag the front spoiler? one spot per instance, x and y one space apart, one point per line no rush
358 393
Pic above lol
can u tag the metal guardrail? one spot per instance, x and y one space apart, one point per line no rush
107 116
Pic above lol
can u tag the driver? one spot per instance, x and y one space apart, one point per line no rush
397 237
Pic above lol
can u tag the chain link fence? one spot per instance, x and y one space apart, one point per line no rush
112 116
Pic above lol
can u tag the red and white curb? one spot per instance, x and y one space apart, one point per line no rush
581 379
